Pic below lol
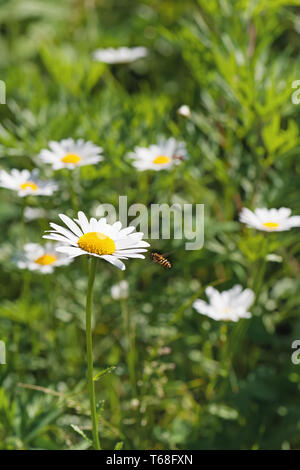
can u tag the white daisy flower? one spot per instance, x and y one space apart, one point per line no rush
122 55
26 183
162 156
184 111
42 258
69 153
270 220
98 238
229 305
120 290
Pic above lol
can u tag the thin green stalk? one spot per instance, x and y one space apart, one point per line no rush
23 225
73 194
258 279
240 331
180 311
27 274
89 349
130 337
25 291
50 288
226 356
143 187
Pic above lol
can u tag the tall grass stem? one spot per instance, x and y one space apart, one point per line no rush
89 350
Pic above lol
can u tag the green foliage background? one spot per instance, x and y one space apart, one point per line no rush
220 386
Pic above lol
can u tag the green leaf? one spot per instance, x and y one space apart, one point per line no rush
103 372
81 433
119 446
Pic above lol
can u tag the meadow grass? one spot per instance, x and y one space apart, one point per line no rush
167 377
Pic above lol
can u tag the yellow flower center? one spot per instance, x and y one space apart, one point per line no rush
71 158
271 225
97 242
29 185
45 259
226 313
161 159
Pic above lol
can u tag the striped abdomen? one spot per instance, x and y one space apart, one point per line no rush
160 259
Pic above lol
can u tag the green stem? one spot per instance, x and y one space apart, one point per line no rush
258 280
26 286
242 326
23 224
72 191
180 311
89 349
50 288
130 337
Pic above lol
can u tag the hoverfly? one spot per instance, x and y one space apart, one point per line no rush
178 157
160 259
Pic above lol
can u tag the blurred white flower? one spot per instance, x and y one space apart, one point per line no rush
122 55
184 111
269 220
120 290
69 153
26 183
162 156
33 213
275 258
230 305
42 258
98 238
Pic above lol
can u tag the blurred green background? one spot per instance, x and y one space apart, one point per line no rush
200 384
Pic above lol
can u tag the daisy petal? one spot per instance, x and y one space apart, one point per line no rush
70 250
115 261
69 223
